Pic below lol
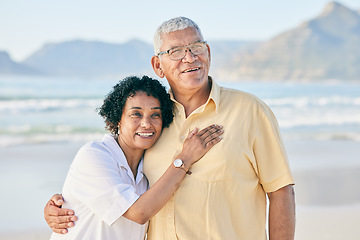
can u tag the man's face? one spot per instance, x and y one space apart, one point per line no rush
191 72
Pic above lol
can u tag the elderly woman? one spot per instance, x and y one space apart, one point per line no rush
105 185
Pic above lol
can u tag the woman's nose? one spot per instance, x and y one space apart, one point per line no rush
145 122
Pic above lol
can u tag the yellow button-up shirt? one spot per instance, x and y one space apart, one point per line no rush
225 197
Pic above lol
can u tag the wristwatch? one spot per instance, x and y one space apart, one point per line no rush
178 163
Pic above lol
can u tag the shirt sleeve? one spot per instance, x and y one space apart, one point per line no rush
99 183
271 158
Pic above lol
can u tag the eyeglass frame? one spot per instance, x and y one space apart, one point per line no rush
185 47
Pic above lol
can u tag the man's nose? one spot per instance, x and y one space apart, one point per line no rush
189 56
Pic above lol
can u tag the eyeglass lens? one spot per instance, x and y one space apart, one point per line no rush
180 52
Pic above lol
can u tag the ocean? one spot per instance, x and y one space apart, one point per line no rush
44 109
44 120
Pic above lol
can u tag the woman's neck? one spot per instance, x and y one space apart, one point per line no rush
133 156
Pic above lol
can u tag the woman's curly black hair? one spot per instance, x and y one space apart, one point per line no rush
114 103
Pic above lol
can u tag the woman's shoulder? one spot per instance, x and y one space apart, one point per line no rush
95 152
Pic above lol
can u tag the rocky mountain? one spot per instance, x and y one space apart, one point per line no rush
221 50
93 58
9 67
100 59
326 47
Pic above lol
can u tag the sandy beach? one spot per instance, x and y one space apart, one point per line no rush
313 223
26 235
326 175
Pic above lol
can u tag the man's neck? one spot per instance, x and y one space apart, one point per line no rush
193 100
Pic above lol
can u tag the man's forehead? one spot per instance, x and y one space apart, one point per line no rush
180 38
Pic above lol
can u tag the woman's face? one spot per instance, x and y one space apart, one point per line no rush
141 122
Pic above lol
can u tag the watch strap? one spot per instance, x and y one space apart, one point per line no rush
178 163
187 171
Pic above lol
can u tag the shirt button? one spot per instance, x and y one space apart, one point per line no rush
169 215
182 137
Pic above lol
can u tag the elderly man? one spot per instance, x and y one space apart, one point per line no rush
225 197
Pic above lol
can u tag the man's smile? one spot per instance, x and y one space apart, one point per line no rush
191 69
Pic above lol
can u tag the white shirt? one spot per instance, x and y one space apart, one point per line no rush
100 188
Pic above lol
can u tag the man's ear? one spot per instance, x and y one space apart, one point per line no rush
155 63
208 47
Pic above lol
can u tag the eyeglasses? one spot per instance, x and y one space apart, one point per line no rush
178 53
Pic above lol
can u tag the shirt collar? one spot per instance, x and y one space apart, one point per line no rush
140 171
214 94
109 139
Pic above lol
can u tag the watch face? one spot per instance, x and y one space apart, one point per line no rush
178 162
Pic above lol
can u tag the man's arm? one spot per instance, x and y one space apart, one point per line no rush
282 214
58 218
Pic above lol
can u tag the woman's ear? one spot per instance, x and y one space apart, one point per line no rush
119 131
155 63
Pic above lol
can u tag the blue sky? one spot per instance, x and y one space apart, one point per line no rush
26 25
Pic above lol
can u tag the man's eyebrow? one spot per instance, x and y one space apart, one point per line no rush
177 46
156 108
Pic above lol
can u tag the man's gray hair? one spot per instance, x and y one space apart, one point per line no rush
172 25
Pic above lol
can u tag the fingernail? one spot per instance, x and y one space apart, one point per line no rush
63 231
70 213
70 224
